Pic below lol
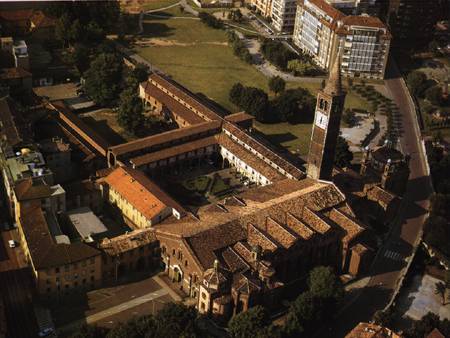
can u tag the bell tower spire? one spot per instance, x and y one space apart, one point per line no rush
325 130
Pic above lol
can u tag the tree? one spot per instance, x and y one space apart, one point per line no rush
250 323
304 314
434 95
440 289
293 106
277 84
324 283
439 205
177 320
343 156
90 331
210 20
75 32
437 233
383 318
253 100
416 81
80 57
140 72
103 78
349 117
137 327
62 29
235 94
130 116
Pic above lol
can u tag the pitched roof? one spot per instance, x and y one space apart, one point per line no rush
126 242
249 158
206 243
185 95
369 330
264 151
173 151
44 251
173 105
14 127
13 73
349 224
327 8
40 20
239 117
169 138
435 334
28 189
136 188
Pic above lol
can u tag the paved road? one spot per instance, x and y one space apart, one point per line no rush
391 261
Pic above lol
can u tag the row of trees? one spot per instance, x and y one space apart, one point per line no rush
277 53
210 20
239 48
292 105
422 87
173 321
312 309
85 22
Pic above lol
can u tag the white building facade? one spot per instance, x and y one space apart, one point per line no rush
283 15
322 30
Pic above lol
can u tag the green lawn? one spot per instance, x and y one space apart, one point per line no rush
155 4
198 57
294 137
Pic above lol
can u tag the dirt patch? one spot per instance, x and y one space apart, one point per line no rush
168 43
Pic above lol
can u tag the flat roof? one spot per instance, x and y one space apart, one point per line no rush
86 222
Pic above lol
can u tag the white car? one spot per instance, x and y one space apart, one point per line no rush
12 244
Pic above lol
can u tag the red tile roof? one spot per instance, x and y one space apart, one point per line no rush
136 188
168 138
173 151
14 73
44 251
173 105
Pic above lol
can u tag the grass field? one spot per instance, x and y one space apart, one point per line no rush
198 57
155 4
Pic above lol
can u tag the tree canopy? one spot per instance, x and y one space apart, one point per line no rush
253 100
277 84
249 324
130 116
103 78
343 156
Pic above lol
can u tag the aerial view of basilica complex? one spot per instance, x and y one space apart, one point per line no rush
222 168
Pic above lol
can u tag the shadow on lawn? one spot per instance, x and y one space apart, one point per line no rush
157 30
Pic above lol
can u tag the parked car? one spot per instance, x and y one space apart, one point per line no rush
46 332
12 243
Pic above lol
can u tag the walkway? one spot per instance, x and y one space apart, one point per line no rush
270 70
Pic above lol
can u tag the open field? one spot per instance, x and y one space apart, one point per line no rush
293 137
198 57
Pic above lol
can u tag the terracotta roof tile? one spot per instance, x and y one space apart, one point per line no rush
126 242
249 158
350 225
185 95
299 227
14 73
167 138
315 221
257 236
44 251
140 192
173 105
239 117
173 151
281 234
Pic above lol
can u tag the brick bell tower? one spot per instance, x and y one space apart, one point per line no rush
325 130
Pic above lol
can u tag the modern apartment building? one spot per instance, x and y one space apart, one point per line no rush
283 15
264 7
321 30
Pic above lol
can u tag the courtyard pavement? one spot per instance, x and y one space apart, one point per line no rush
419 298
109 306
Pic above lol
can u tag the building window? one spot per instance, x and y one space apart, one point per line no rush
173 252
180 255
203 295
186 263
